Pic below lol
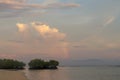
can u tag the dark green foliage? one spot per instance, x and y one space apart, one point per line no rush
33 64
11 64
41 64
36 64
53 64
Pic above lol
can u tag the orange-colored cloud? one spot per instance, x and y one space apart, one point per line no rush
21 27
47 32
13 8
42 40
14 4
21 4
12 1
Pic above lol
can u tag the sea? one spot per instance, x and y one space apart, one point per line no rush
75 73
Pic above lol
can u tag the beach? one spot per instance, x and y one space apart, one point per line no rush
12 75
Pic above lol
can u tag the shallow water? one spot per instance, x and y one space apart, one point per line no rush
75 73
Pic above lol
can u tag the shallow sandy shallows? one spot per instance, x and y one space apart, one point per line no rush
12 75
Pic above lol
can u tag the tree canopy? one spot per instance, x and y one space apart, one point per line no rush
11 64
33 64
41 64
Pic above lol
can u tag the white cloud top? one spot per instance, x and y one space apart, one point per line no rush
21 27
41 40
48 32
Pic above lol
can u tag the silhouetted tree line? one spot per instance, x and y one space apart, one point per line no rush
33 64
41 64
11 64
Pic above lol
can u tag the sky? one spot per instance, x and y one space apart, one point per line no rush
60 29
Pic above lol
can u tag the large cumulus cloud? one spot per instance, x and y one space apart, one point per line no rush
36 40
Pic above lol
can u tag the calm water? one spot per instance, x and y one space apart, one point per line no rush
76 73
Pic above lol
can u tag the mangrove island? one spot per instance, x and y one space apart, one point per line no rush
11 64
41 64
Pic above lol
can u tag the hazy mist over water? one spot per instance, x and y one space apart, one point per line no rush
75 73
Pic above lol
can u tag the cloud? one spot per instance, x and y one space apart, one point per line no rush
11 8
12 4
95 43
57 4
40 40
47 2
12 1
47 32
21 27
95 47
109 20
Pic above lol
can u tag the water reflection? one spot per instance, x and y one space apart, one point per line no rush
75 73
46 74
